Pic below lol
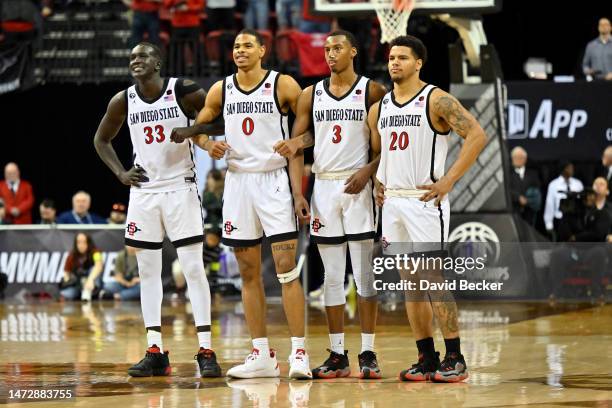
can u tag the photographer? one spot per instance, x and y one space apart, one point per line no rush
583 221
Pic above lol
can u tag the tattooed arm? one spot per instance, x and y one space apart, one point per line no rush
447 113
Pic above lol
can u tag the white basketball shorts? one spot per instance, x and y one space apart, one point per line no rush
337 217
257 203
410 225
175 213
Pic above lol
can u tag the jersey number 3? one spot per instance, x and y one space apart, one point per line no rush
150 138
400 141
337 136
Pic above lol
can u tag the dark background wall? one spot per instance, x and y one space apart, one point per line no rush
49 130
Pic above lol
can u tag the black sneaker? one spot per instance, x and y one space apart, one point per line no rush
452 369
422 370
155 363
336 366
368 366
207 360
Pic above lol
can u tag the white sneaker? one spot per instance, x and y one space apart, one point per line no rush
256 365
299 366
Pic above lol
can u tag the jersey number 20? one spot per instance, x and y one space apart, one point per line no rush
149 138
400 141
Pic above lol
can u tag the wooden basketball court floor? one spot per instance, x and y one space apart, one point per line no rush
519 354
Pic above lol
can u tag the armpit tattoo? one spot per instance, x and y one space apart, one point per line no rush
453 113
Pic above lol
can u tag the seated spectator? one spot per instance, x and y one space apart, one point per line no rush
82 270
597 61
605 170
126 284
80 214
17 195
3 220
524 187
117 214
185 36
220 14
558 189
256 15
145 19
47 211
288 13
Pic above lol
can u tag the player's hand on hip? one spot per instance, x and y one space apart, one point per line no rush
437 190
357 181
286 148
133 176
179 134
217 150
380 195
302 210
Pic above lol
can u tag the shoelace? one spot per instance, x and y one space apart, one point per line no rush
252 356
299 354
333 358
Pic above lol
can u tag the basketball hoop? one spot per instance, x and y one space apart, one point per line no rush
393 16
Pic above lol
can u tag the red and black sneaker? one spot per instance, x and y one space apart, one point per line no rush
155 363
207 361
336 366
422 370
368 366
452 369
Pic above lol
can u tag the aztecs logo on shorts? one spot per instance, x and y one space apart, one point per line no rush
384 242
132 228
316 225
228 227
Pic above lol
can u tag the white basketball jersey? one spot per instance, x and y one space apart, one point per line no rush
254 123
169 166
342 139
412 152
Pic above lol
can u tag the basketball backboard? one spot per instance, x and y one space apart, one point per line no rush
356 7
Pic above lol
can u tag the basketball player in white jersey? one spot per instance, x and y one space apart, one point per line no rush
258 195
163 197
413 122
342 203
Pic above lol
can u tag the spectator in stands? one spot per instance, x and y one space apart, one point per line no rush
126 283
185 35
3 220
606 166
256 15
80 214
288 13
17 195
145 19
602 191
524 187
597 61
117 214
47 212
557 190
220 14
82 270
311 23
